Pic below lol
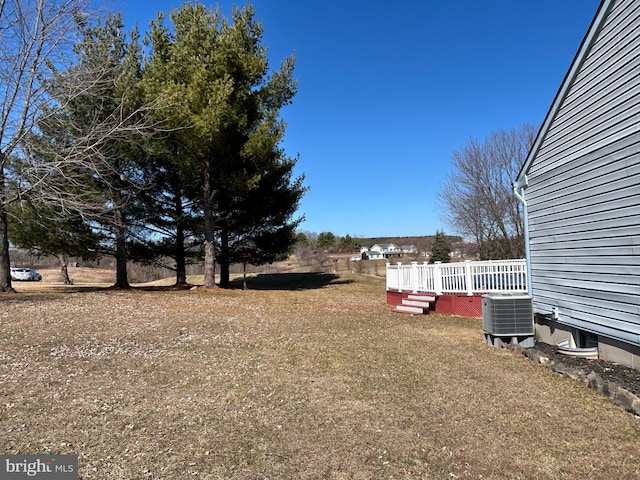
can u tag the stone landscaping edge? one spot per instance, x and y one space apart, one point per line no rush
620 396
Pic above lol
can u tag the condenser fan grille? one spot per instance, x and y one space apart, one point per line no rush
508 315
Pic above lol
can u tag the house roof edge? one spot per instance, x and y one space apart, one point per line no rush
567 82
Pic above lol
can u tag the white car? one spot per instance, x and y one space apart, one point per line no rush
25 274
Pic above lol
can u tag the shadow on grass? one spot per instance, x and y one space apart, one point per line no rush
56 291
46 293
290 281
265 281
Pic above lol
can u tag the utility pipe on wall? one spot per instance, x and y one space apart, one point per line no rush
518 190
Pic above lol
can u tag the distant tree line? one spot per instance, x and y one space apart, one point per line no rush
439 246
163 150
328 242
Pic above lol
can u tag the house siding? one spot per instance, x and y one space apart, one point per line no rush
583 189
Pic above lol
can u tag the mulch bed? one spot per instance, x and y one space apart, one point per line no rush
626 377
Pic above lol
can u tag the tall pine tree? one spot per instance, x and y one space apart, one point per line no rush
216 71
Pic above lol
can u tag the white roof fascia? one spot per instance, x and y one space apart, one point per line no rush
585 46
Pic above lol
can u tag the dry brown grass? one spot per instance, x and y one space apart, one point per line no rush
301 377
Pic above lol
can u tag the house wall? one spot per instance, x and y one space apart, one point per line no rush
583 192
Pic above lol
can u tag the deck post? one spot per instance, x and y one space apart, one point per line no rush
415 277
468 278
437 278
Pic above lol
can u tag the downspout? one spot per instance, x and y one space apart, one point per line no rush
518 190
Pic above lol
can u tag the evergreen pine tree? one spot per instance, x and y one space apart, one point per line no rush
440 248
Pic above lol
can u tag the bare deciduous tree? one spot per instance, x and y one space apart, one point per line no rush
34 34
476 197
84 156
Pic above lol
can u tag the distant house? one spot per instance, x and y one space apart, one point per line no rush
408 249
580 187
381 251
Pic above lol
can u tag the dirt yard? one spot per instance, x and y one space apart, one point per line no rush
303 376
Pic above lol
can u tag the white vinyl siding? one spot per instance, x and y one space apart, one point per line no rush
583 190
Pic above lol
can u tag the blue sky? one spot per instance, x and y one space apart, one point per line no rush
389 90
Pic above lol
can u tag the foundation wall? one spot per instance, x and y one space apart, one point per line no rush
610 350
551 332
615 351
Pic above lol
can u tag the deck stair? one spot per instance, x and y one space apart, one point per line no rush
415 304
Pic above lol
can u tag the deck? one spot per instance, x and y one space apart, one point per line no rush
458 287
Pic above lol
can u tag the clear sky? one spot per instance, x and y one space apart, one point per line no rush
389 90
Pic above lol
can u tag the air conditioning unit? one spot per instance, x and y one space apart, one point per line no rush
507 315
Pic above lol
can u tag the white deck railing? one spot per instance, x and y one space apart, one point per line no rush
467 278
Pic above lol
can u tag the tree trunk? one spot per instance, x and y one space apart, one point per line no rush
209 252
181 264
122 280
225 260
64 270
5 264
209 233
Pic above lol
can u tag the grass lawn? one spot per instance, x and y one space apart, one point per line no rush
302 376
